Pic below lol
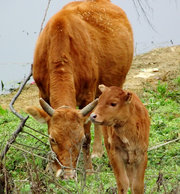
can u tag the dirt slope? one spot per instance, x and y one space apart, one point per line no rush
159 64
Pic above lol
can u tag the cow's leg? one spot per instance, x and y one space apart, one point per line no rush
138 177
86 147
97 145
116 162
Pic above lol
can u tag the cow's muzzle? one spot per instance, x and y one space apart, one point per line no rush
66 174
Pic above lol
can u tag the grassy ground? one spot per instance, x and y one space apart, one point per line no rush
163 172
27 172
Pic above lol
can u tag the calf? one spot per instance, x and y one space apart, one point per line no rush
126 125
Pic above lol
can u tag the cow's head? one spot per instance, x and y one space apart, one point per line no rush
66 133
113 106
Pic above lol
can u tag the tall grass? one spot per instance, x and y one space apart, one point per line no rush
28 173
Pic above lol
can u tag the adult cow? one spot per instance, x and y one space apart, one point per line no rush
85 44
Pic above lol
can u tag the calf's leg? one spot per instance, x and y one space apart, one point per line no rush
119 172
116 162
138 178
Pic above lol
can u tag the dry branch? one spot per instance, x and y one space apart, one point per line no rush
45 16
37 131
33 148
25 151
36 138
13 138
54 181
163 144
17 95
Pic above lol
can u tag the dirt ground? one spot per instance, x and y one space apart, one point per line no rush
159 64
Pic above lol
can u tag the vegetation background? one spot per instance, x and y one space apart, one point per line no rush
154 76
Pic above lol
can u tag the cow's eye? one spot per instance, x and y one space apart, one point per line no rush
113 104
52 140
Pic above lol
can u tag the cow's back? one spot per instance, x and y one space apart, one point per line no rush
91 41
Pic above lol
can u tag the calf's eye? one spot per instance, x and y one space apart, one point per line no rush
113 104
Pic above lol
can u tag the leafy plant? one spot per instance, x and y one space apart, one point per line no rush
162 174
164 111
162 88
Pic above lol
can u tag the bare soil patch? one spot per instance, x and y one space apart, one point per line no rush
159 64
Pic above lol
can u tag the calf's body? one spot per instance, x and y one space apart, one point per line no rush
126 125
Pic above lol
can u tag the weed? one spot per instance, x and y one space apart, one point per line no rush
178 81
164 111
162 174
162 88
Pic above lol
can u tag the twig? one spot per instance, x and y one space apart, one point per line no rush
29 169
17 94
13 138
37 131
23 120
35 182
35 170
34 148
55 182
135 2
83 182
44 16
35 138
5 178
2 142
30 153
25 180
160 181
158 146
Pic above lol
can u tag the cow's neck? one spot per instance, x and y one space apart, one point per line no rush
62 91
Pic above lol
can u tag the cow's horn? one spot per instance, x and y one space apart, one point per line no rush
46 107
88 108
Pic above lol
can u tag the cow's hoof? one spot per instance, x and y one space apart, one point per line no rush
97 155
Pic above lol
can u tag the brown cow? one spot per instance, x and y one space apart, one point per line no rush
126 125
85 44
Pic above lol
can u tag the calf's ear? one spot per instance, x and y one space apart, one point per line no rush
102 87
38 114
128 97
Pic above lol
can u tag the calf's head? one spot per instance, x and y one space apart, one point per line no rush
113 106
66 133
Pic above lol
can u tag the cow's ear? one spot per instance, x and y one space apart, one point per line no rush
128 97
40 115
102 88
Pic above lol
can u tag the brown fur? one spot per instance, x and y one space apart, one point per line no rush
85 44
126 125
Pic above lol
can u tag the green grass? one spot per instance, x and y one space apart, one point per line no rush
164 109
163 104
